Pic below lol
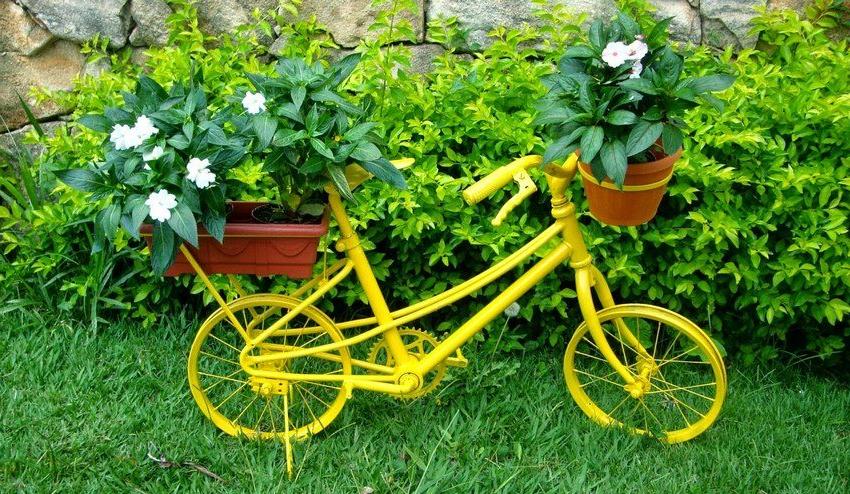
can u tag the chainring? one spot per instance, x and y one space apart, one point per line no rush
418 344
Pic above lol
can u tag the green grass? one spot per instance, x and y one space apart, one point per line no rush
78 413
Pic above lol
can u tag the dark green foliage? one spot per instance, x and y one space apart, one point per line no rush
750 243
310 132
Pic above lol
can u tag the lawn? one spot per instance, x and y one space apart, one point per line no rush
79 412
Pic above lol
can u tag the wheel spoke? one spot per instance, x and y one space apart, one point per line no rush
618 405
676 358
207 374
211 386
231 395
676 400
236 420
309 408
598 378
687 389
224 343
237 364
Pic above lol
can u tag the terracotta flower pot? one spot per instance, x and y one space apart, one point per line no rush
638 201
251 247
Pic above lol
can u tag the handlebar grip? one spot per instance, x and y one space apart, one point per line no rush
497 179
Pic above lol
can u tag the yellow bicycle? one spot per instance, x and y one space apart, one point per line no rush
271 366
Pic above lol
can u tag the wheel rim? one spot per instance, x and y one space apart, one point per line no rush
418 343
684 383
241 405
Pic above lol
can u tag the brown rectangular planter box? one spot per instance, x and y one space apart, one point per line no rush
251 247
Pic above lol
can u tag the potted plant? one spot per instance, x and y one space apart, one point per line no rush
618 99
305 133
165 159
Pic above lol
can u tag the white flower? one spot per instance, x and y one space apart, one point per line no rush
197 170
144 128
254 102
512 310
160 204
204 179
154 155
119 136
126 137
637 68
615 54
636 50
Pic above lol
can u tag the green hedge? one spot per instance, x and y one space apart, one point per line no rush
751 241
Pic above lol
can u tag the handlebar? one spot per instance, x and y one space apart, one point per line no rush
498 178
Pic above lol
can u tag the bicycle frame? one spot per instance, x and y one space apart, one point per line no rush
408 372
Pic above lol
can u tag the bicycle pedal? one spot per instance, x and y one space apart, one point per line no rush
458 360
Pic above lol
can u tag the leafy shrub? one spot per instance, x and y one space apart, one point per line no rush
751 242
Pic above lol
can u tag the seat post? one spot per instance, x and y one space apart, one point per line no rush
349 243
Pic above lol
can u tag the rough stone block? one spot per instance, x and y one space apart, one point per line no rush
79 20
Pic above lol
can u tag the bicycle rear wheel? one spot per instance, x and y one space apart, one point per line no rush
680 373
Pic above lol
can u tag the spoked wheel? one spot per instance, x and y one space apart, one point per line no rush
267 407
680 379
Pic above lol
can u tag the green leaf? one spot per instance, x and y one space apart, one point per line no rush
671 138
183 223
640 85
264 127
138 214
298 94
178 141
561 148
585 96
568 65
80 179
621 117
669 67
630 27
289 111
642 136
554 115
591 141
118 116
359 131
30 117
579 51
214 223
337 176
596 35
325 95
343 68
109 220
716 103
385 171
366 151
164 247
613 157
717 82
285 137
150 93
658 35
321 148
97 123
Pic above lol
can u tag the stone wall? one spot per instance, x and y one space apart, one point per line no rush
40 39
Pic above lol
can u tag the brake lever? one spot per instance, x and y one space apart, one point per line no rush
526 188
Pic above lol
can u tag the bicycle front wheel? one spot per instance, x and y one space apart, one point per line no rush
680 378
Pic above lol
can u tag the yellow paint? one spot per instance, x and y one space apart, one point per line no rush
268 345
